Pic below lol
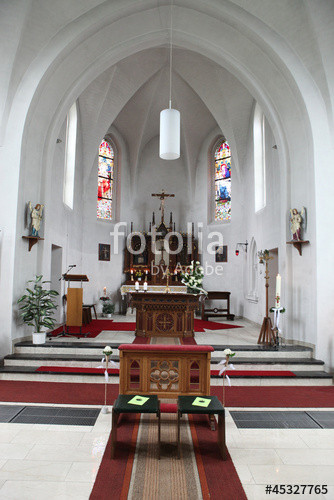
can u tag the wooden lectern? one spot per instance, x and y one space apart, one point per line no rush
74 302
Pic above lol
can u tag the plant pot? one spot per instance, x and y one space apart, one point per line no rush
39 337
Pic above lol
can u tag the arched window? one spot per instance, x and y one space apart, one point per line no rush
259 159
70 151
105 181
222 157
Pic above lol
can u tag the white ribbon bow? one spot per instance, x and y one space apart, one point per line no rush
111 363
223 370
276 318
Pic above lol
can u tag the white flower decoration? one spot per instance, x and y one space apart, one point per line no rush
228 352
107 350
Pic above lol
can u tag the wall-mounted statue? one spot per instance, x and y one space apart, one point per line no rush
297 220
36 215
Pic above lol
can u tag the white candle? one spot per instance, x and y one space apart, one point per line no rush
131 271
137 286
278 291
145 286
105 290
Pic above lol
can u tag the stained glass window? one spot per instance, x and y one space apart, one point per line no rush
222 157
105 181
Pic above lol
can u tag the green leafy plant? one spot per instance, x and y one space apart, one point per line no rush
37 305
108 308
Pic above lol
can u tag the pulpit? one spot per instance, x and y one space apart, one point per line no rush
74 301
164 314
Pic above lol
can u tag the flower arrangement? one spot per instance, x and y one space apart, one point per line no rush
193 278
228 353
107 351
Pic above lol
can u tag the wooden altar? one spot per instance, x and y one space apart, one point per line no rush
164 314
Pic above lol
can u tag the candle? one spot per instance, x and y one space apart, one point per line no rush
105 290
278 291
146 272
137 286
145 286
131 271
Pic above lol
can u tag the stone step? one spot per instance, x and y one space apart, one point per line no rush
319 378
91 361
95 348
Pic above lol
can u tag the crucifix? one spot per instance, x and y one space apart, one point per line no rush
162 197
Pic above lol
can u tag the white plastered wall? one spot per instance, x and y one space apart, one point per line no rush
293 89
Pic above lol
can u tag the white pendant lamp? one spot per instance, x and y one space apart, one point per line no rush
170 118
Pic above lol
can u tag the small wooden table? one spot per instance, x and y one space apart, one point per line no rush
122 405
215 312
185 405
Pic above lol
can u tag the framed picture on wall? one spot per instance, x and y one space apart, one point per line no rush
221 253
104 251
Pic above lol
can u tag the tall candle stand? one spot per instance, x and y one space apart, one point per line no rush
266 334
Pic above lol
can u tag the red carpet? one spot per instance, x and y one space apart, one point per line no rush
94 328
115 371
113 477
238 396
188 341
98 325
141 340
200 325
219 479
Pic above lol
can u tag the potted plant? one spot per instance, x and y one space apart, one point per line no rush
37 307
108 309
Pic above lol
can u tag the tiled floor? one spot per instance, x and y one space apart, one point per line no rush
61 462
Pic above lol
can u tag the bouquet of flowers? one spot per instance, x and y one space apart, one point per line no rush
193 278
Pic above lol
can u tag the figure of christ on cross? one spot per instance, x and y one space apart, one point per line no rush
162 197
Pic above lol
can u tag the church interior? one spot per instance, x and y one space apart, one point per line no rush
166 328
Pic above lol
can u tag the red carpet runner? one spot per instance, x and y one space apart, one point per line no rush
238 396
98 325
219 479
115 371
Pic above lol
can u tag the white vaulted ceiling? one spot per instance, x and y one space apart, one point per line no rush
208 97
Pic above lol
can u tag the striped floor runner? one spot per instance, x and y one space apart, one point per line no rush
137 474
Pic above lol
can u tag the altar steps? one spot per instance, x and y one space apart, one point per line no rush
28 357
29 373
92 361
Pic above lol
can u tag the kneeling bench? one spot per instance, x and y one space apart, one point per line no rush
167 371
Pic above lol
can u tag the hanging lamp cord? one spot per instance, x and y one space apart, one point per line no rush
171 54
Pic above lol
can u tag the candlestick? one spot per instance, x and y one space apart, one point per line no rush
137 286
278 285
278 290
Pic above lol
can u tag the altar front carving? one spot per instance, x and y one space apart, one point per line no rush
164 314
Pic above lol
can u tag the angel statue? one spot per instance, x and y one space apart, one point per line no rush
36 215
297 219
